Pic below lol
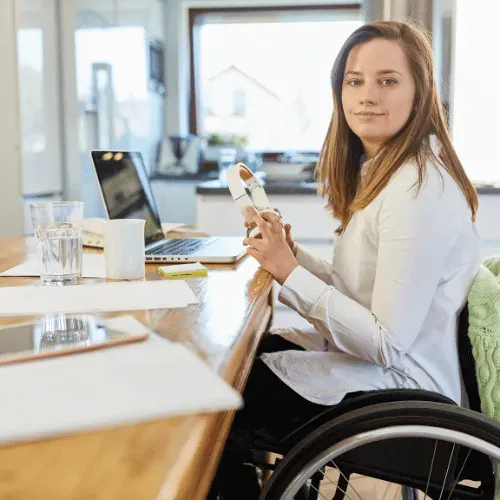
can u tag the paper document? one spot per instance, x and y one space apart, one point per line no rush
92 267
105 388
122 296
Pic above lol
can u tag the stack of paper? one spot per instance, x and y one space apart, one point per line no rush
118 385
122 296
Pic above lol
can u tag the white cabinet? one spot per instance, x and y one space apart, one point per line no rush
218 215
176 200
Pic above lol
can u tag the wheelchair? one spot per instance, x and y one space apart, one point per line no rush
420 441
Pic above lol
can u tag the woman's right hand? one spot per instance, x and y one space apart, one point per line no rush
288 233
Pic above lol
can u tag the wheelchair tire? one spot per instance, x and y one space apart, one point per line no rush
474 429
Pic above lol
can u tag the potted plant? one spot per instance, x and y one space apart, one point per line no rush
217 141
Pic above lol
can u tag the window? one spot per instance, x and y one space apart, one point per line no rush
239 101
475 114
264 75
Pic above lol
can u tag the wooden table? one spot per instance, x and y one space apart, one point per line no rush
173 458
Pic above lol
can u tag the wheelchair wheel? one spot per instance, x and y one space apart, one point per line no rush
426 450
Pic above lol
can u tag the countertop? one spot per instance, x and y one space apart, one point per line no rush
272 187
300 188
198 177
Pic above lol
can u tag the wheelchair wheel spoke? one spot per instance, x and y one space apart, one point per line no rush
430 471
346 478
459 474
321 494
336 484
447 470
329 480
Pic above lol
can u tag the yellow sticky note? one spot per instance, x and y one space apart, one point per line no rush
183 271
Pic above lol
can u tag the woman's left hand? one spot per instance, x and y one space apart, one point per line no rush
272 251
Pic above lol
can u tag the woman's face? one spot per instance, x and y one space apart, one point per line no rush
377 92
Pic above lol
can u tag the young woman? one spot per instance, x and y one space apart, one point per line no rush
384 313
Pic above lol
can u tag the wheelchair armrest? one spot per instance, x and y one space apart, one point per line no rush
349 403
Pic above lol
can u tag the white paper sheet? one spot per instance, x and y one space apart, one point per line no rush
128 296
92 267
108 387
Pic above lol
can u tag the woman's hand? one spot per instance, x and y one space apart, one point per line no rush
272 251
288 235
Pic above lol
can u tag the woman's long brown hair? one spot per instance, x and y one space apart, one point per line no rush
339 166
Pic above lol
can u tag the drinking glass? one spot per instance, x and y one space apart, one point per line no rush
58 230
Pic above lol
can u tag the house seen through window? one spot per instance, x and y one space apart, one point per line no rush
269 86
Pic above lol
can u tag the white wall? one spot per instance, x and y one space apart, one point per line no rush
11 207
177 51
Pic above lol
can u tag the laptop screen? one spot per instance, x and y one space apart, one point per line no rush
126 190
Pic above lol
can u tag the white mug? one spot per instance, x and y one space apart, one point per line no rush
124 249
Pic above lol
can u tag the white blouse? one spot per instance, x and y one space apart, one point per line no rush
384 313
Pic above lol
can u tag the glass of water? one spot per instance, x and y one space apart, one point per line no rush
58 230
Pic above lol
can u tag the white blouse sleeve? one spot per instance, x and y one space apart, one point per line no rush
321 268
415 235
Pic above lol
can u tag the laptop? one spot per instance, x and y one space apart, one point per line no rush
127 194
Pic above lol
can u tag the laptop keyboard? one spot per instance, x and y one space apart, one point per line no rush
180 246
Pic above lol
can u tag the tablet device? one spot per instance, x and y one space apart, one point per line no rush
57 335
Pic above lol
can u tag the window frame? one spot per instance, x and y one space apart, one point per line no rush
195 16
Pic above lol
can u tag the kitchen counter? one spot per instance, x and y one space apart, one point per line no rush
271 187
199 176
487 189
215 187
